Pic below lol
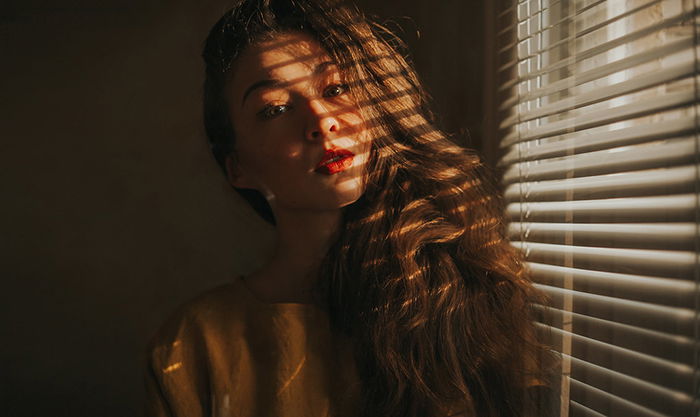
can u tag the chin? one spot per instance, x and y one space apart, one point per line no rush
338 201
349 196
349 201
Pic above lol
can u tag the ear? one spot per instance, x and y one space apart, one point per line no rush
234 173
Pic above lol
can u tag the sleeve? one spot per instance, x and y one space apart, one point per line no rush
156 404
176 375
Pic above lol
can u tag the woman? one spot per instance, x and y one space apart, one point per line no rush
391 291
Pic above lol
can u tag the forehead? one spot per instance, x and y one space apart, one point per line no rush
280 58
287 48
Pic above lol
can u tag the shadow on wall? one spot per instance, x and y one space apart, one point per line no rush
115 212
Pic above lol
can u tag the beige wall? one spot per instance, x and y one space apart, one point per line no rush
113 211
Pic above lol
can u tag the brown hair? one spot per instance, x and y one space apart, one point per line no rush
436 300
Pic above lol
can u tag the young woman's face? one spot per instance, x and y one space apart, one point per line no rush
300 139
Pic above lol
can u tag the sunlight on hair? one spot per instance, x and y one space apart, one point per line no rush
410 276
485 223
373 263
376 216
460 209
444 288
418 273
490 243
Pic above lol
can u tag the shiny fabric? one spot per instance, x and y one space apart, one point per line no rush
228 354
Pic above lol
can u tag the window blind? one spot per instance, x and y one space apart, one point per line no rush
598 109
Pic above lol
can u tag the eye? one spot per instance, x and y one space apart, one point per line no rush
272 111
335 90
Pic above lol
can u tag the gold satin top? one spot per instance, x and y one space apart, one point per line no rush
227 354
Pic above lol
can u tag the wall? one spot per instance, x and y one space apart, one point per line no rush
445 39
113 211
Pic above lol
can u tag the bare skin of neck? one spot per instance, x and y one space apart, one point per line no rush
303 237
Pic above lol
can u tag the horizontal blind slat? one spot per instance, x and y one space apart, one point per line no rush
640 392
582 77
665 263
592 140
508 10
665 236
532 32
657 154
644 315
601 117
582 15
606 92
681 208
529 8
583 54
657 343
507 66
508 48
620 321
578 410
669 374
665 291
602 400
680 179
530 25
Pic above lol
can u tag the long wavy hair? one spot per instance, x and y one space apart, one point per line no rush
436 301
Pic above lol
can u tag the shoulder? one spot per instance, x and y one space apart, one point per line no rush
222 309
200 333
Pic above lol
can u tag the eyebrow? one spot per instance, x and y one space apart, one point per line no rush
272 82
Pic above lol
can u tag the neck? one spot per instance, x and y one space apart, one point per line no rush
303 238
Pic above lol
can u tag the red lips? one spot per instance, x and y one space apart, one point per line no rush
335 161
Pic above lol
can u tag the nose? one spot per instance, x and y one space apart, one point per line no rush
322 123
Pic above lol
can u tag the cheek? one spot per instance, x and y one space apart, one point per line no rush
352 122
269 151
357 129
